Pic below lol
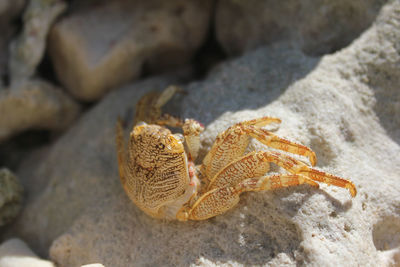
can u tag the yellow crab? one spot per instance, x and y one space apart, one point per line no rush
162 180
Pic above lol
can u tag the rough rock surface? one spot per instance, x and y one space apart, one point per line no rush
27 50
35 104
317 27
10 196
15 252
104 44
344 106
69 159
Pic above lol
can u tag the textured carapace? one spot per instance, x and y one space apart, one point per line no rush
159 175
160 167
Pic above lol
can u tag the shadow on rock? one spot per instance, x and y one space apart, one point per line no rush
249 82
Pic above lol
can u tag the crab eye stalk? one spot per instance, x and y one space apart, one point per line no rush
160 146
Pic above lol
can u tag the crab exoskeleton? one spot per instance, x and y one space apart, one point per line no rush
159 175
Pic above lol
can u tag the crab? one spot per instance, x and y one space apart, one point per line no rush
159 175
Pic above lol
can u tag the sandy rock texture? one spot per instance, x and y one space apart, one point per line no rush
345 106
317 27
35 104
104 44
14 252
10 196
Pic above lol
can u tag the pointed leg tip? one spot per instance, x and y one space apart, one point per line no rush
353 192
313 158
352 189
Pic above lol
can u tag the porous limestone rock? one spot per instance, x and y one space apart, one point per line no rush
103 44
345 106
317 27
10 196
15 253
35 104
27 50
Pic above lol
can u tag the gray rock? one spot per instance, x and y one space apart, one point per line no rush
42 221
104 44
15 252
10 196
27 50
344 106
28 103
9 10
35 104
317 27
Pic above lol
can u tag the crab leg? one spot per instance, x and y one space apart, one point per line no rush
260 122
148 109
248 166
232 143
219 200
257 163
274 141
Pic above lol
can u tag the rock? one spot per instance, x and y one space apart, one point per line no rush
9 10
42 215
93 265
344 106
104 44
27 50
10 196
35 105
317 27
15 252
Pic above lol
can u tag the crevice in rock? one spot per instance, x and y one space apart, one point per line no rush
386 233
321 147
384 80
263 241
210 53
5 80
13 151
46 71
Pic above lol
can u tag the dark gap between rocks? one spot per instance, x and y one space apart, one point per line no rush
13 151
